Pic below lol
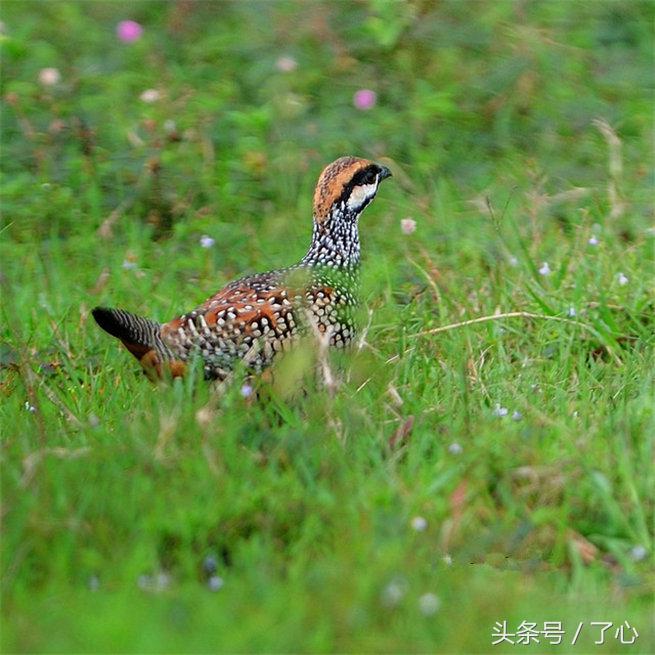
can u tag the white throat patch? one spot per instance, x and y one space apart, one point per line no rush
360 194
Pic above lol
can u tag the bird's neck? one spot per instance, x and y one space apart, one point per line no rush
335 242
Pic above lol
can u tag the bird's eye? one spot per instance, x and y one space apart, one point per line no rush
369 176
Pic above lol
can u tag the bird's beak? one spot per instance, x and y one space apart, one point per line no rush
384 173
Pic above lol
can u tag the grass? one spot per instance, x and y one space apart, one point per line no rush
511 410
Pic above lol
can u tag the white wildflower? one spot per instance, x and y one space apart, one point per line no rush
215 582
545 269
419 524
455 448
622 279
206 241
162 581
638 553
157 582
500 411
429 604
394 592
150 95
144 582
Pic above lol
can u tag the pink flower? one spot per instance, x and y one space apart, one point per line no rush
408 225
150 95
49 76
286 64
129 31
365 99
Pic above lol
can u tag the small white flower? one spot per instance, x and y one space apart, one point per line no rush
517 416
215 582
394 592
622 279
571 313
455 448
429 604
158 582
513 261
447 560
545 269
49 76
129 265
206 241
638 553
162 581
408 225
144 582
593 240
246 391
30 408
419 523
150 95
286 64
500 411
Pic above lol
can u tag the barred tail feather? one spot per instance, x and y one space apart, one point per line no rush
139 335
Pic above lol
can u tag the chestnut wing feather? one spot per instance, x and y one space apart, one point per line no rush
250 319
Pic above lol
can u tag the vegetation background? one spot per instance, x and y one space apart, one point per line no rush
494 471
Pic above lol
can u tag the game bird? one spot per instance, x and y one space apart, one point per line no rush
257 316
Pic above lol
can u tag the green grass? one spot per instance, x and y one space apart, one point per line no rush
114 491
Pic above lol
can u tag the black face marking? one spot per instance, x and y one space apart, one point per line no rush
366 176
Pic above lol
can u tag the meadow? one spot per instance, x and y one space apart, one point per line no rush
484 458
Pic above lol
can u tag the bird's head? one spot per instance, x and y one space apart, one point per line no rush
346 187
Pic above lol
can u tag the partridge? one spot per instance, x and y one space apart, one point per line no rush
257 316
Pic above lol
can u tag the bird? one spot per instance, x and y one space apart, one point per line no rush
255 317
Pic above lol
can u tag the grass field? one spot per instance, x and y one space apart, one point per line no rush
461 474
